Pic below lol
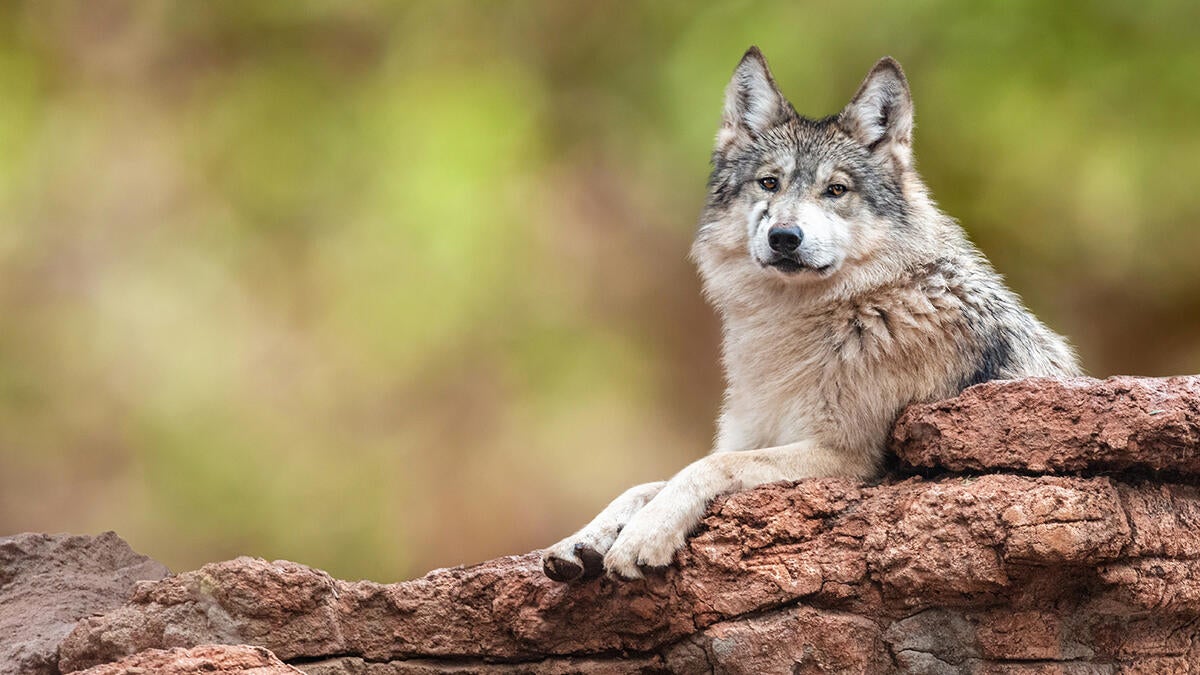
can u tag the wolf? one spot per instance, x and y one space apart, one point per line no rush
844 295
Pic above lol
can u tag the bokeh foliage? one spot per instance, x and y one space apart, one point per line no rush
382 286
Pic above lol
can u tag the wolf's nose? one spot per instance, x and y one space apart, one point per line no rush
784 238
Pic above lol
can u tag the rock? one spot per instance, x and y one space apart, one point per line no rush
1021 571
794 640
48 582
353 665
826 575
202 660
1047 425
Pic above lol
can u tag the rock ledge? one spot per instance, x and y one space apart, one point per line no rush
1065 550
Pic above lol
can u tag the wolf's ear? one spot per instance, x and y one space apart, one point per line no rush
880 116
753 103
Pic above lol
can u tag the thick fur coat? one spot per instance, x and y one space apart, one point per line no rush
845 295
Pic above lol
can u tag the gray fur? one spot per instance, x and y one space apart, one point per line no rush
883 302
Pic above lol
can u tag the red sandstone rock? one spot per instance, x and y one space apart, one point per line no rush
863 562
995 573
48 582
202 660
1055 426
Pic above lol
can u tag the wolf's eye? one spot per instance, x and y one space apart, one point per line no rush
769 183
835 190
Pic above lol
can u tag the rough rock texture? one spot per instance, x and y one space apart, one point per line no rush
1052 426
48 582
916 574
205 659
1009 572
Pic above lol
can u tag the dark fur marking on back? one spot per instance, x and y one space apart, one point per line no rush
993 360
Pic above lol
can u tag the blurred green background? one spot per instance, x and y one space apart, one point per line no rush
381 287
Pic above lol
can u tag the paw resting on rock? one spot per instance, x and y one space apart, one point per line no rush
580 562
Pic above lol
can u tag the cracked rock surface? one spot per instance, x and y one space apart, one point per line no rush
1050 425
48 582
1085 559
201 660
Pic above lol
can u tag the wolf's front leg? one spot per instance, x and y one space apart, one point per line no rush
660 528
581 555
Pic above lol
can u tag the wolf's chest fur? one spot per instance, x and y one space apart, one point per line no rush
839 371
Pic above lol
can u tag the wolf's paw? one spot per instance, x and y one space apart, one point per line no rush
639 546
573 560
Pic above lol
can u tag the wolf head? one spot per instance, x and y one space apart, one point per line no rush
801 201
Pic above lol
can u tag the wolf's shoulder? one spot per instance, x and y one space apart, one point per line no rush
1000 337
953 317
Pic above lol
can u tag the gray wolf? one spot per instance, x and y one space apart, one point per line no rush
845 295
